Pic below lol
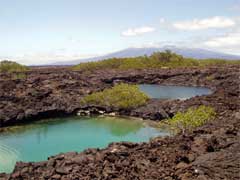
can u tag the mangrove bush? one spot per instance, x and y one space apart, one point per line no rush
122 96
192 118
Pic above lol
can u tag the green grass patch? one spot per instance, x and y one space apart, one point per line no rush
192 118
10 67
157 60
122 96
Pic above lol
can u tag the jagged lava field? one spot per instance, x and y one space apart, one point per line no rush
211 151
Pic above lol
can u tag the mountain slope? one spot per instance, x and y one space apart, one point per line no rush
133 52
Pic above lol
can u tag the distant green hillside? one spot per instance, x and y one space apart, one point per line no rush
10 66
157 60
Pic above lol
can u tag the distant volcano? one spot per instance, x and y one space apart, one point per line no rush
134 52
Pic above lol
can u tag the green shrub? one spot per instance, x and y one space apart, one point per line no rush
192 118
18 75
166 56
123 96
9 67
157 60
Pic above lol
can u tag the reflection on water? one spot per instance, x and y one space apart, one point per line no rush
118 126
173 92
39 140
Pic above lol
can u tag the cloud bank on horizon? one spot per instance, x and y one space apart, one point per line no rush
207 23
59 30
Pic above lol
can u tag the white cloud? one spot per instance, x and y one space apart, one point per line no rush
231 39
201 24
138 31
157 44
45 57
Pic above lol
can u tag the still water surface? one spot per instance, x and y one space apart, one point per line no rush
39 140
173 92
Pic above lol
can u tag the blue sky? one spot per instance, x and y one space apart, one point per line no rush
36 32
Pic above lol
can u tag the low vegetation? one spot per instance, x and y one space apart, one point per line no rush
192 118
19 75
157 60
122 96
11 67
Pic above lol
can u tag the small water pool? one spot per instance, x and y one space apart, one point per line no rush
173 92
39 140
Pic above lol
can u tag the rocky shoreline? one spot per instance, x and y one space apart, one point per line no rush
57 92
210 152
